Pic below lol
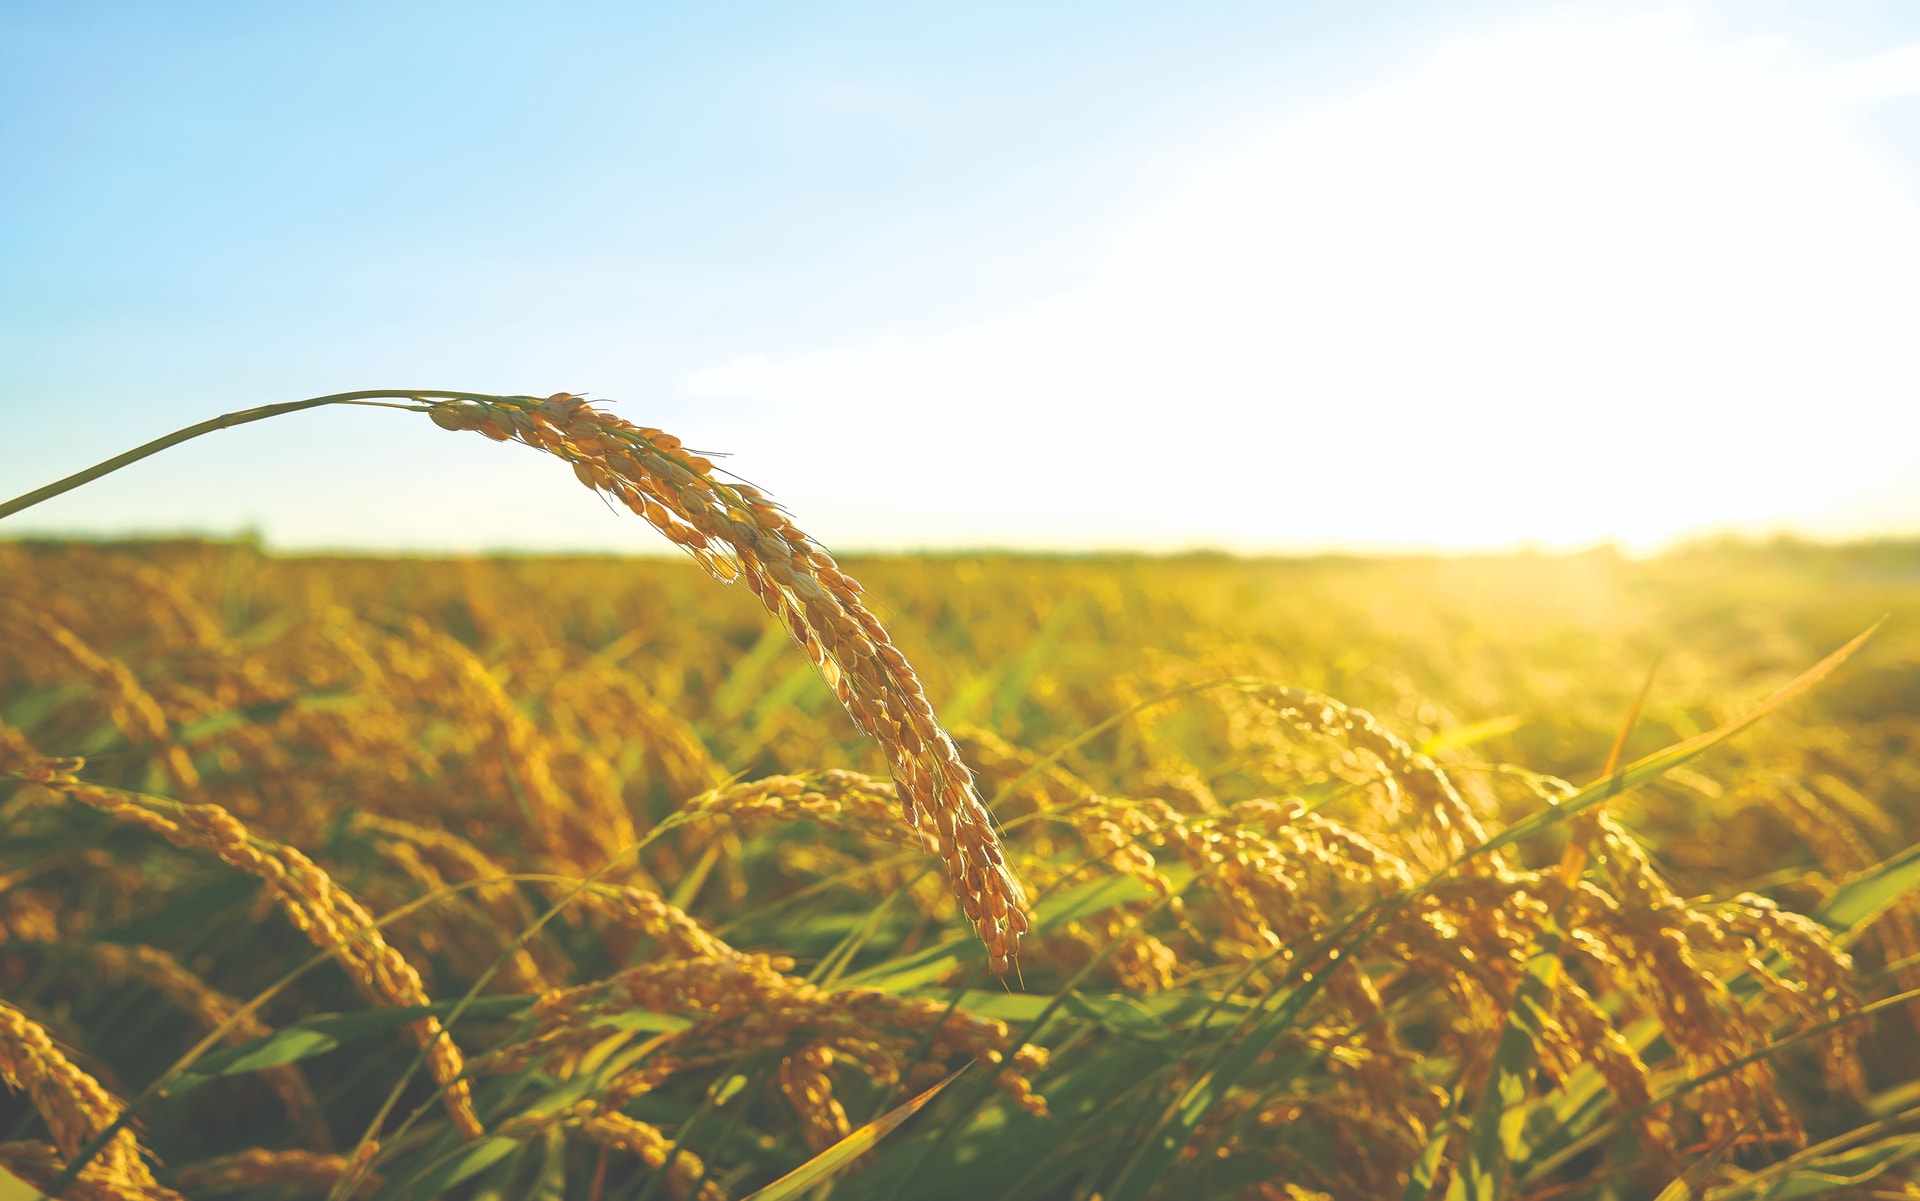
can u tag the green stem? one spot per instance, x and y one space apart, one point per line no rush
224 421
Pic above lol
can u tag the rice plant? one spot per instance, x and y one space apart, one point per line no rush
1087 877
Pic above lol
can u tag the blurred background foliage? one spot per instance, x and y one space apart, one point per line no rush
411 723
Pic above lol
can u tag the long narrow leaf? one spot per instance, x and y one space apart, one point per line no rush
1501 1109
1872 892
317 1035
1660 762
836 1158
1812 1174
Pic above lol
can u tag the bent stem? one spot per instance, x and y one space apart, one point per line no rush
377 396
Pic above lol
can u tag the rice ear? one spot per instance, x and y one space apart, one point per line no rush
736 534
74 1106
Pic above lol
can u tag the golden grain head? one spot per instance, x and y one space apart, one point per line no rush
698 928
737 536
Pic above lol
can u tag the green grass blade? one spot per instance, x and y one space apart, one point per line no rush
1821 1170
1473 734
317 1035
835 1159
1160 1150
1499 1114
12 1188
1093 898
1660 762
1420 1179
1868 894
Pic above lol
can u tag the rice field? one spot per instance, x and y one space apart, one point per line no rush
956 877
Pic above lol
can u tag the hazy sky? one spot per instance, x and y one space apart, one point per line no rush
1249 275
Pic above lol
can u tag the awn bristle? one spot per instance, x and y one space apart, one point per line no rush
736 533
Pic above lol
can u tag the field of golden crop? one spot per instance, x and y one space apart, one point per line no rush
576 879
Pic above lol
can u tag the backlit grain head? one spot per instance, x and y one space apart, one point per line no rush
314 903
306 1173
72 1104
735 535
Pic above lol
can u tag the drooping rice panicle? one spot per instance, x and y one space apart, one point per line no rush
617 1131
73 1104
1696 981
299 1173
310 899
39 1164
134 710
738 534
833 797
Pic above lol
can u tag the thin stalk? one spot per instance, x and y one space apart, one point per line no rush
228 421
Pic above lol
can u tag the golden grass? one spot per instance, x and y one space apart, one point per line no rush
1270 950
70 1102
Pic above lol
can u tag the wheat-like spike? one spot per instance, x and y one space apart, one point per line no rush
40 1164
1441 802
805 1082
73 1104
326 913
738 534
135 712
303 1173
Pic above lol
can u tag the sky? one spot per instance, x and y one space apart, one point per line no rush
1264 277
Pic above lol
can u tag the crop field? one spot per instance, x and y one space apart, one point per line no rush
1541 877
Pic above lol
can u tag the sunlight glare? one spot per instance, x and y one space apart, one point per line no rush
1566 282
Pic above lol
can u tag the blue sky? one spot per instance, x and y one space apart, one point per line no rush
1368 275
